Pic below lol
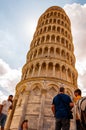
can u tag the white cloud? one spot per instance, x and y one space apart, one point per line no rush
77 15
8 79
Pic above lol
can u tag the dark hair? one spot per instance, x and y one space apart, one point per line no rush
78 91
61 89
10 95
23 123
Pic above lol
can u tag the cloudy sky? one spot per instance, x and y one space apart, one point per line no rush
18 21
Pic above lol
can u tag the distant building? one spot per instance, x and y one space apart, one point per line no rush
50 63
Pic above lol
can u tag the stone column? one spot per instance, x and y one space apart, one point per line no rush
41 115
39 70
53 70
46 69
33 71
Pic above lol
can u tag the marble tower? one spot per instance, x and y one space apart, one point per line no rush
50 64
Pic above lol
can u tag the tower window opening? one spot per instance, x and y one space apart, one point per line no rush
57 51
47 38
50 66
49 28
53 38
57 67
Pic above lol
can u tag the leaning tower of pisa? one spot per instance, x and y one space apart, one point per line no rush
50 64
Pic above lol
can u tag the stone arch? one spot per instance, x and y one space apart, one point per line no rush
50 69
36 90
20 98
53 38
70 47
57 51
62 40
69 92
38 41
63 69
54 21
51 51
40 52
48 15
44 16
42 23
47 38
35 53
58 29
43 39
62 16
31 70
69 72
69 75
67 56
53 28
52 85
46 21
36 69
63 53
63 72
55 13
52 91
37 84
58 21
35 97
58 38
50 21
62 31
40 30
25 74
49 28
46 51
62 23
51 13
57 70
37 33
45 29
43 69
58 14
66 33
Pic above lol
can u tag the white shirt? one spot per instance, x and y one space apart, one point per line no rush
6 104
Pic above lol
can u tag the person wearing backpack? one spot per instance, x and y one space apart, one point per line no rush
60 107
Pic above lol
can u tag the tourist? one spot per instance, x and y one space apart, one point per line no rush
24 125
77 97
60 107
5 106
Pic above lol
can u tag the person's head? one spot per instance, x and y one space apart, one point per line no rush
61 89
10 98
77 92
24 124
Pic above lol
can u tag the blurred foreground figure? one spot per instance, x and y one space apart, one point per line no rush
80 110
4 108
24 125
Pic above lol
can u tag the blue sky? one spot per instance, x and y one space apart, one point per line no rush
18 20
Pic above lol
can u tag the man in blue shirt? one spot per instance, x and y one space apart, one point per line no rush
60 107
